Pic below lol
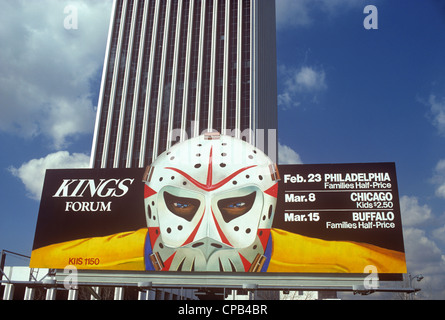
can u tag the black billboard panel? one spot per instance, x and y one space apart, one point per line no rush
352 202
84 203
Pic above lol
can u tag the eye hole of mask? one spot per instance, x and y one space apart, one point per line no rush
232 208
182 207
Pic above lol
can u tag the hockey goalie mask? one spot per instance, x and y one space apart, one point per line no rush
209 204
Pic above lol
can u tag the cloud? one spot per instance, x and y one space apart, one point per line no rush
292 13
424 255
413 214
308 79
32 173
439 234
437 109
300 13
421 250
286 155
439 178
47 70
301 85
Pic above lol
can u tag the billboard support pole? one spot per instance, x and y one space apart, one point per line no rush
251 289
2 264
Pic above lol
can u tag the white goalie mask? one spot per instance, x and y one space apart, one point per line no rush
209 204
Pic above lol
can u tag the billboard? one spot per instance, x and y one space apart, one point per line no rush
219 204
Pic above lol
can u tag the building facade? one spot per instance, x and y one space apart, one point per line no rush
176 68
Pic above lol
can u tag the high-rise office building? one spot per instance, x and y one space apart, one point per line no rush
174 68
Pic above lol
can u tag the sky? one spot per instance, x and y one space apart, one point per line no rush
354 86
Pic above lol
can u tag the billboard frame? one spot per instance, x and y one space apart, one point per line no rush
355 283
